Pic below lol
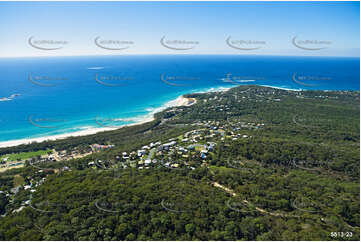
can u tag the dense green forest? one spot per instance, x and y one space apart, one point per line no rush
285 167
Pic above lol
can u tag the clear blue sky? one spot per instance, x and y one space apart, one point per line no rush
209 23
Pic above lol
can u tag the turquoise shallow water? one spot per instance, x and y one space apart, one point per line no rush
67 94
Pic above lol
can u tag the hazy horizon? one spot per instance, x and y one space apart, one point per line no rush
35 29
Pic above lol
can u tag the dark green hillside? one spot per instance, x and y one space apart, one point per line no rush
252 163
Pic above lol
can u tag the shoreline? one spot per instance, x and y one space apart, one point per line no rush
180 101
284 88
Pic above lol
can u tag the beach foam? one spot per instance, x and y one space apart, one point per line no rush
96 68
213 89
89 130
283 88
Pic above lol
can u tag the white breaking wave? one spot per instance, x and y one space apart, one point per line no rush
96 68
214 89
283 88
242 81
11 97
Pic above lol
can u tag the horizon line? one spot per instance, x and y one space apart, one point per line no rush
180 54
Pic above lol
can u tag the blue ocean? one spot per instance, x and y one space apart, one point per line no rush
48 96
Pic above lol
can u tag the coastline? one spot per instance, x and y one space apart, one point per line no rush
284 88
180 101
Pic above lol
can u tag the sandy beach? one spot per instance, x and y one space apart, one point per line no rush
180 101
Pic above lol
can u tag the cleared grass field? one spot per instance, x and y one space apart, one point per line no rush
25 155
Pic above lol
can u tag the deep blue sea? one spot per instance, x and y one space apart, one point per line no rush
67 94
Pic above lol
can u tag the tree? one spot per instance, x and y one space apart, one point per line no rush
190 228
130 236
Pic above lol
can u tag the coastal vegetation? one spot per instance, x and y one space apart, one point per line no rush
252 163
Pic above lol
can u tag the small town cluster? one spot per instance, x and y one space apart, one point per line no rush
188 151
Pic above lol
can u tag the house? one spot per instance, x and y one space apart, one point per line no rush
182 150
147 162
101 147
125 155
166 146
175 165
211 146
66 168
141 153
170 144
